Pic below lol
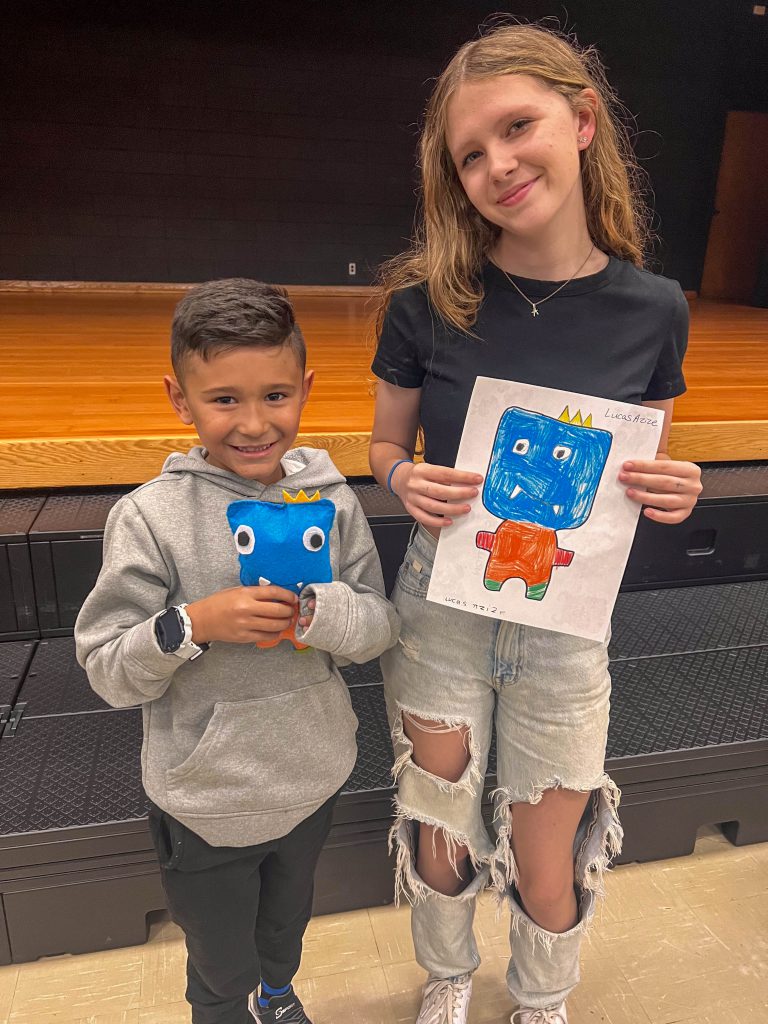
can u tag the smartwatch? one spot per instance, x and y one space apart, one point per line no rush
173 631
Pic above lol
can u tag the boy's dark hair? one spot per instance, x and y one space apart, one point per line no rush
230 313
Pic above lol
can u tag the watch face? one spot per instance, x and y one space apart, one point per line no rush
169 631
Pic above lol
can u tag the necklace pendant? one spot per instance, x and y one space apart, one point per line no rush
534 311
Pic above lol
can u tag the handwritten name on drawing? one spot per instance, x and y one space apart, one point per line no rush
628 417
472 606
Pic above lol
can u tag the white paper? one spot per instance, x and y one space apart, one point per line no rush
545 451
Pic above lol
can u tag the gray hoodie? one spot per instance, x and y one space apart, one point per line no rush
242 743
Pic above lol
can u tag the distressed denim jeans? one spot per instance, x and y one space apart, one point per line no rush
547 695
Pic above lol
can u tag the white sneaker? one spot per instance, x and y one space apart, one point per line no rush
550 1015
446 1000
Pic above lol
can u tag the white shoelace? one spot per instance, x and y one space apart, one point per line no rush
551 1015
446 1000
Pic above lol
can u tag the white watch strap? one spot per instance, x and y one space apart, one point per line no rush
188 650
182 610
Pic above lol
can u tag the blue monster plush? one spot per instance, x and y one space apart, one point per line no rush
543 476
286 544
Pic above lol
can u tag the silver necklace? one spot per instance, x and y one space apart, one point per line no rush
535 305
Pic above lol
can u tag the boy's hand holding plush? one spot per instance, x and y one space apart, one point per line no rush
242 615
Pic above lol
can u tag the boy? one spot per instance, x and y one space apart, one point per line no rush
245 746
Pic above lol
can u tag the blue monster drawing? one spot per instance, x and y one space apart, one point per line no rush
286 544
542 476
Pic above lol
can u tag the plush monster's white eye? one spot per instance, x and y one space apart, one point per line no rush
561 452
521 446
313 538
244 540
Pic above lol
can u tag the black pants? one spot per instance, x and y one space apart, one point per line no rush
243 910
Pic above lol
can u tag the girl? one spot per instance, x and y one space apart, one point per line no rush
528 266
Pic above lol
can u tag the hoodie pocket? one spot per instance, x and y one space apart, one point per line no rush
273 753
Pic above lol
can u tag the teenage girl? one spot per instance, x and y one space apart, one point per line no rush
528 266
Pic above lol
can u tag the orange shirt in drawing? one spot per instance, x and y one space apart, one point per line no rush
522 551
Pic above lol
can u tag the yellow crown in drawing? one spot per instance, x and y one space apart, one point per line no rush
576 420
301 498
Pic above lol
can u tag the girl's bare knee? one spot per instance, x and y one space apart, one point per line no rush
541 891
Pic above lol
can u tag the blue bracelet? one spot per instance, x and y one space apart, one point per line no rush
389 478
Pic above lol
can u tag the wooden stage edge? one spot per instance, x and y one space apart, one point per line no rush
105 461
164 287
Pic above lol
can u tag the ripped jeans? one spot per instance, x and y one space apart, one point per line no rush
548 696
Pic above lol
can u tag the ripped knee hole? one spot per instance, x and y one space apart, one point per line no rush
447 761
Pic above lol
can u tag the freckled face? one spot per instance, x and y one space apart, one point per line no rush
514 144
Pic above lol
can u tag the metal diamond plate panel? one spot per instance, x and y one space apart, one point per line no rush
17 515
368 674
655 622
374 758
55 683
14 658
689 700
735 479
376 501
72 771
75 513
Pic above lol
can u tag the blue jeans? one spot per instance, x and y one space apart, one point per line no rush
548 695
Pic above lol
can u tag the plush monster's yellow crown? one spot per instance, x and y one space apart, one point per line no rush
576 421
301 498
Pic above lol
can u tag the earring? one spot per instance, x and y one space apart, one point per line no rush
583 138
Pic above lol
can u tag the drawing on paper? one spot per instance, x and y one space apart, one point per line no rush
542 477
284 543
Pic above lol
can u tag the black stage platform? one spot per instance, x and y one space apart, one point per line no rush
688 743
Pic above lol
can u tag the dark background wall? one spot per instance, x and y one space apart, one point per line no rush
159 142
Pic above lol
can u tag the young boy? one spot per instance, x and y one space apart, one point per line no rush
248 736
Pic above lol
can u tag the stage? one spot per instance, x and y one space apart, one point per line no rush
82 401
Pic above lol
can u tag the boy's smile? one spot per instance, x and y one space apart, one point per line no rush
246 404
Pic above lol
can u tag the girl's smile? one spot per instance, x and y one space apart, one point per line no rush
515 195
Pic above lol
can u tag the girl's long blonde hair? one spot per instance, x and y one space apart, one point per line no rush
452 240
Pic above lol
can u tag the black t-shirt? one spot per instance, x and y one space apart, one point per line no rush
619 334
